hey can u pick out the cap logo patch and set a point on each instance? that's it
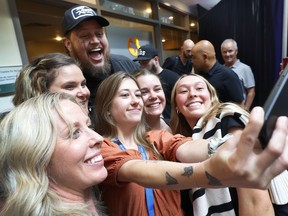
(141, 52)
(81, 11)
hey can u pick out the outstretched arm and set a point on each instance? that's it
(193, 151)
(235, 164)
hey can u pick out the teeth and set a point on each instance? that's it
(154, 105)
(95, 159)
(194, 104)
(95, 50)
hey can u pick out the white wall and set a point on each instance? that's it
(9, 49)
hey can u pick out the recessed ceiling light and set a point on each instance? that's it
(148, 10)
(58, 38)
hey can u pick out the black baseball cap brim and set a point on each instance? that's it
(141, 58)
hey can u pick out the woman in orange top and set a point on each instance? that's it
(127, 146)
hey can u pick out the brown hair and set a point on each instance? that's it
(37, 77)
(104, 123)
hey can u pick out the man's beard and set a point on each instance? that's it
(97, 72)
(187, 56)
(94, 71)
(153, 69)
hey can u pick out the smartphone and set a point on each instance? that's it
(275, 105)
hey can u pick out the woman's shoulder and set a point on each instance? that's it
(234, 111)
(229, 108)
(163, 136)
(159, 132)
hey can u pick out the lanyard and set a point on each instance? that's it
(148, 191)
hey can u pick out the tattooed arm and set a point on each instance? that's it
(164, 174)
(235, 164)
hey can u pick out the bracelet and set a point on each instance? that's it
(215, 142)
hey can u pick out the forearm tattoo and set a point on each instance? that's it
(212, 180)
(170, 180)
(188, 171)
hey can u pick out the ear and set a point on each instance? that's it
(205, 55)
(67, 44)
(157, 59)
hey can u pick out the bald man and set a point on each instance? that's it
(224, 80)
(181, 63)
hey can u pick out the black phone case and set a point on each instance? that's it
(275, 105)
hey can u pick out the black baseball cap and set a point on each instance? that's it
(146, 52)
(75, 15)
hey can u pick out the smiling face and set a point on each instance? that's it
(192, 98)
(152, 94)
(88, 44)
(229, 53)
(127, 104)
(76, 162)
(69, 79)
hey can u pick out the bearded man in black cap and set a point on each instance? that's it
(86, 41)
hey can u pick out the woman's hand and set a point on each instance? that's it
(236, 164)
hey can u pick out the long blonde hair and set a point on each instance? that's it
(27, 141)
(178, 122)
(104, 123)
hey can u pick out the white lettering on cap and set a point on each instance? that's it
(141, 52)
(81, 11)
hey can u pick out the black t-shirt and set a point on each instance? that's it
(168, 79)
(226, 82)
(175, 64)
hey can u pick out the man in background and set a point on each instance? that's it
(229, 51)
(182, 63)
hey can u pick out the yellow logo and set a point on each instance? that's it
(131, 44)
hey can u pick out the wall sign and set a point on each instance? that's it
(8, 77)
(127, 41)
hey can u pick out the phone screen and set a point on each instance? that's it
(275, 105)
